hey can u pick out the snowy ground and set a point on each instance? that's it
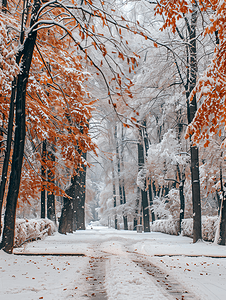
(117, 265)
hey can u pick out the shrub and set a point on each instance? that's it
(29, 230)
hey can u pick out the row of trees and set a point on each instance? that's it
(191, 46)
(144, 57)
(47, 51)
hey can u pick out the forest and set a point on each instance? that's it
(113, 111)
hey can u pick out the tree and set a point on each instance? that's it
(173, 11)
(212, 86)
(44, 83)
(142, 176)
(19, 139)
(9, 70)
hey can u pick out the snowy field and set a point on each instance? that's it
(115, 265)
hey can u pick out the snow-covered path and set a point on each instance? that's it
(116, 265)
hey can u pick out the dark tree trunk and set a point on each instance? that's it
(222, 223)
(114, 195)
(192, 108)
(124, 202)
(144, 196)
(118, 166)
(182, 204)
(145, 209)
(181, 177)
(122, 193)
(19, 140)
(74, 187)
(51, 213)
(73, 212)
(146, 144)
(197, 226)
(151, 201)
(4, 6)
(135, 224)
(43, 173)
(135, 220)
(67, 212)
(80, 193)
(125, 221)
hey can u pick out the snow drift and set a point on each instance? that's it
(28, 230)
(170, 226)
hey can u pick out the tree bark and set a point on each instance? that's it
(43, 173)
(73, 212)
(146, 144)
(144, 196)
(67, 213)
(80, 194)
(151, 201)
(4, 6)
(197, 226)
(125, 223)
(114, 195)
(182, 203)
(122, 193)
(222, 222)
(19, 139)
(51, 211)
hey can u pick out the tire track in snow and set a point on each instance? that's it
(96, 277)
(170, 286)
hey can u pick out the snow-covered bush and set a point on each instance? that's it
(26, 230)
(209, 227)
(168, 206)
(170, 226)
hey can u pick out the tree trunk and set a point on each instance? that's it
(80, 197)
(222, 222)
(197, 226)
(19, 139)
(124, 202)
(181, 177)
(114, 195)
(144, 196)
(4, 6)
(51, 211)
(122, 193)
(135, 220)
(151, 201)
(67, 213)
(182, 204)
(73, 212)
(43, 173)
(146, 144)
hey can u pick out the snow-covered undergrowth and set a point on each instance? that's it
(209, 227)
(168, 226)
(26, 230)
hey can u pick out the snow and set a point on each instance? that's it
(125, 281)
(199, 268)
(32, 229)
(171, 226)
